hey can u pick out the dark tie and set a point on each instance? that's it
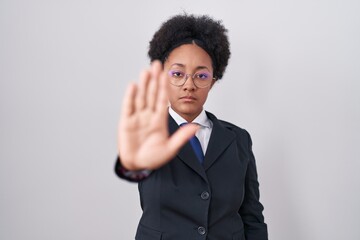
(195, 143)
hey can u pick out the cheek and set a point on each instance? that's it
(172, 93)
(204, 94)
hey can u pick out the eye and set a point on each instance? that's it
(176, 74)
(202, 76)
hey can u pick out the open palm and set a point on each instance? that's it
(143, 137)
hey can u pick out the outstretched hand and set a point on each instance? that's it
(143, 136)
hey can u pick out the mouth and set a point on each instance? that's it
(188, 98)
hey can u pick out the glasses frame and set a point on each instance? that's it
(186, 77)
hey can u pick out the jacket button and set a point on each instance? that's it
(205, 195)
(201, 230)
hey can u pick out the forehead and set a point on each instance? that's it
(189, 56)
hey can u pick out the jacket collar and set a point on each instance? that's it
(220, 139)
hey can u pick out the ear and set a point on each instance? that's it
(212, 83)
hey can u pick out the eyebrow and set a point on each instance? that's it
(182, 65)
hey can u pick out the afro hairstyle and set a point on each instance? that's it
(202, 30)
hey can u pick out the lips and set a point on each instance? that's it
(188, 98)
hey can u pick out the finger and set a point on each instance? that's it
(162, 101)
(175, 142)
(140, 101)
(181, 136)
(128, 106)
(153, 85)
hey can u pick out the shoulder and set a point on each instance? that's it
(239, 131)
(232, 127)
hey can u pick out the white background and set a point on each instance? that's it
(293, 82)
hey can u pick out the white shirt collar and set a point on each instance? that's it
(202, 119)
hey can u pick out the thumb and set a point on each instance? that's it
(181, 136)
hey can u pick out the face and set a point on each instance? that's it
(188, 100)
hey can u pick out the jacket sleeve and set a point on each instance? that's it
(251, 208)
(132, 176)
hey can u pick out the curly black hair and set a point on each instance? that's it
(204, 31)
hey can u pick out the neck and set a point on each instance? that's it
(188, 117)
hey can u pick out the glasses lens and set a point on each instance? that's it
(177, 77)
(202, 79)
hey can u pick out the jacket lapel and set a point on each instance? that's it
(186, 153)
(220, 139)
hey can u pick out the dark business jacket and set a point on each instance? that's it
(184, 200)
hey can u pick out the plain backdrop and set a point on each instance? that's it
(293, 82)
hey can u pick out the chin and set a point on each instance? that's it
(190, 112)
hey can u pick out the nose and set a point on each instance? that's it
(189, 83)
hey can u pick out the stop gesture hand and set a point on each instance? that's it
(143, 137)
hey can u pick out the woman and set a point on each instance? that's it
(184, 193)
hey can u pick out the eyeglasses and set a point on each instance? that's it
(200, 79)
